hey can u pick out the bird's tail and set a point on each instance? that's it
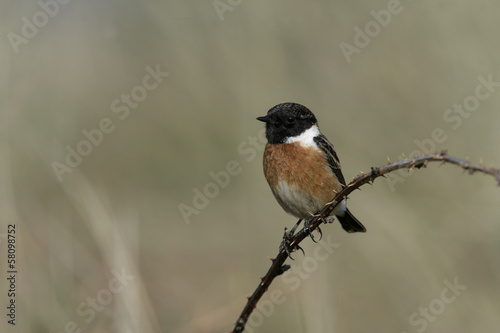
(350, 223)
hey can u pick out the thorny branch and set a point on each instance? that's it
(278, 266)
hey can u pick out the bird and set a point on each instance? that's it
(301, 166)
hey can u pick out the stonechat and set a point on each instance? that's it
(301, 165)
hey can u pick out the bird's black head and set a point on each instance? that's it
(287, 120)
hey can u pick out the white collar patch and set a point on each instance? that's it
(306, 138)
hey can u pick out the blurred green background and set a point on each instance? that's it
(118, 211)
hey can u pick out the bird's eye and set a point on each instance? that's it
(290, 120)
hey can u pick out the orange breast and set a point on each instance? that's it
(300, 177)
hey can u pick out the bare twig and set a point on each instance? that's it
(278, 266)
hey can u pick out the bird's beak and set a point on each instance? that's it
(264, 118)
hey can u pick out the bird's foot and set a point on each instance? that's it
(310, 232)
(287, 243)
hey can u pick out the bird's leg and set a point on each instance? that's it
(292, 232)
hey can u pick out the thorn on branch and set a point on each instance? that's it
(283, 269)
(421, 165)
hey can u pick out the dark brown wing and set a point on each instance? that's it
(331, 156)
(347, 220)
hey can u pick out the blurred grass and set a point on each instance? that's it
(119, 207)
